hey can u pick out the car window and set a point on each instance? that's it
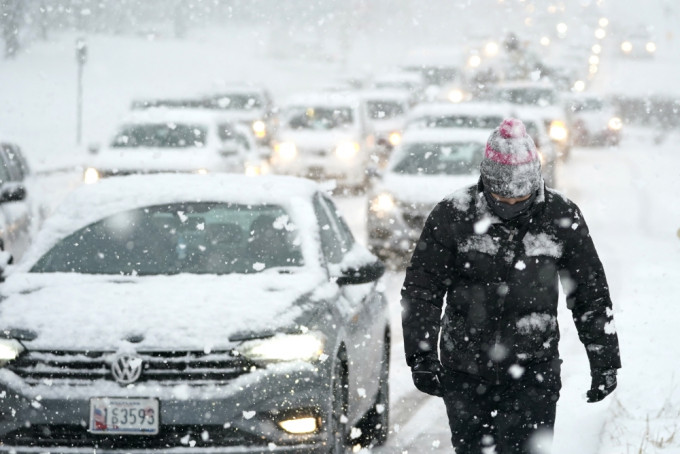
(435, 158)
(237, 101)
(4, 169)
(160, 135)
(197, 238)
(319, 118)
(13, 163)
(343, 228)
(332, 246)
(384, 110)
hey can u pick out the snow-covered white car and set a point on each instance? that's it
(247, 104)
(595, 120)
(486, 116)
(428, 165)
(251, 105)
(538, 99)
(214, 313)
(412, 82)
(387, 112)
(325, 136)
(177, 140)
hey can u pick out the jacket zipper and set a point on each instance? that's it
(499, 324)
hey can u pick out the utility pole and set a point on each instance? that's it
(81, 59)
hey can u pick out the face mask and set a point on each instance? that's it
(506, 211)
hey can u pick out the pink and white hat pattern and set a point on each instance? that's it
(511, 166)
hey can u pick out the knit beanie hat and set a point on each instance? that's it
(511, 167)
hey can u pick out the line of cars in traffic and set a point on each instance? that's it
(201, 308)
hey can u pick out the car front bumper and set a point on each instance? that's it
(239, 417)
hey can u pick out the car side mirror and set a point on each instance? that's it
(93, 148)
(6, 260)
(12, 192)
(363, 274)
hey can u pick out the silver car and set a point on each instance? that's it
(182, 311)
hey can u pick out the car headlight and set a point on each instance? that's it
(456, 95)
(254, 169)
(382, 203)
(285, 347)
(10, 350)
(287, 151)
(91, 175)
(202, 171)
(259, 128)
(394, 138)
(615, 124)
(558, 131)
(650, 47)
(347, 150)
(627, 47)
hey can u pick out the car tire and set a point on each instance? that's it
(375, 425)
(337, 419)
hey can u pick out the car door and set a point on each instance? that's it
(16, 214)
(367, 321)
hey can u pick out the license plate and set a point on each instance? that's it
(114, 415)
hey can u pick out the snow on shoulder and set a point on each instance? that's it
(110, 196)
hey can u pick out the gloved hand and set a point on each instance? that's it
(426, 372)
(603, 383)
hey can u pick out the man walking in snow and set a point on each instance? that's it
(493, 252)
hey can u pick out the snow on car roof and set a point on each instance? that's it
(175, 115)
(385, 95)
(340, 99)
(445, 135)
(90, 203)
(465, 108)
(438, 57)
(524, 84)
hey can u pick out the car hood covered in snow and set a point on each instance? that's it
(162, 159)
(424, 190)
(65, 311)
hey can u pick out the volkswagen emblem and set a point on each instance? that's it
(126, 369)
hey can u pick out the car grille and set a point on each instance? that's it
(169, 436)
(166, 367)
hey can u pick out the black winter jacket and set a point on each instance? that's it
(500, 280)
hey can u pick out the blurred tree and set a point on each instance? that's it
(11, 12)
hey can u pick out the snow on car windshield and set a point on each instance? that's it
(160, 135)
(198, 238)
(440, 158)
(383, 110)
(319, 118)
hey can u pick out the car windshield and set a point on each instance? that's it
(458, 121)
(160, 135)
(456, 158)
(240, 101)
(319, 118)
(198, 238)
(585, 105)
(528, 96)
(384, 110)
